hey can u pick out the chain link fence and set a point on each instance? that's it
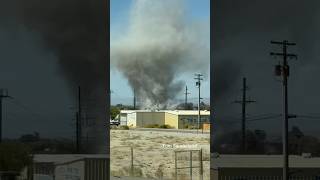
(184, 164)
(122, 161)
(188, 165)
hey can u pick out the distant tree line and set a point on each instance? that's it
(15, 154)
(258, 143)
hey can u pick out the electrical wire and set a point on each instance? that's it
(35, 116)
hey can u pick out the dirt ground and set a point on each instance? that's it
(154, 153)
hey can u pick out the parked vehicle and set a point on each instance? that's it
(114, 122)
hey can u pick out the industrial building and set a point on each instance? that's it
(263, 167)
(178, 119)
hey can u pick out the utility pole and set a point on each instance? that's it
(3, 94)
(244, 103)
(79, 121)
(198, 84)
(186, 98)
(77, 133)
(283, 70)
(134, 99)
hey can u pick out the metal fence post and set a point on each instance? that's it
(132, 168)
(201, 164)
(175, 162)
(191, 165)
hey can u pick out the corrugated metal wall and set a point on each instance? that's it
(96, 169)
(43, 168)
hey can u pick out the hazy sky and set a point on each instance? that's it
(199, 10)
(242, 34)
(48, 49)
(33, 78)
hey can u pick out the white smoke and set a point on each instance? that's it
(160, 44)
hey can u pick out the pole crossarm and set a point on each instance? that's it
(282, 54)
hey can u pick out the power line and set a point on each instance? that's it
(298, 117)
(256, 119)
(308, 117)
(26, 109)
(264, 118)
(262, 115)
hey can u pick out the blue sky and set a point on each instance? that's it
(120, 9)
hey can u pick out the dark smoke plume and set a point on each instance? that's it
(242, 33)
(75, 32)
(160, 44)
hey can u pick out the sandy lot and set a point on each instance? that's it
(154, 153)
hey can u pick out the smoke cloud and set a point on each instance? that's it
(242, 34)
(161, 43)
(74, 31)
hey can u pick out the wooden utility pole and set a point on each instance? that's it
(186, 98)
(79, 122)
(198, 84)
(244, 103)
(3, 94)
(134, 99)
(283, 70)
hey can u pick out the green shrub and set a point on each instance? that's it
(14, 156)
(152, 126)
(114, 127)
(165, 126)
(124, 127)
(189, 126)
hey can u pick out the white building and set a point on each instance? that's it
(178, 119)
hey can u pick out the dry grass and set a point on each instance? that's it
(150, 156)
